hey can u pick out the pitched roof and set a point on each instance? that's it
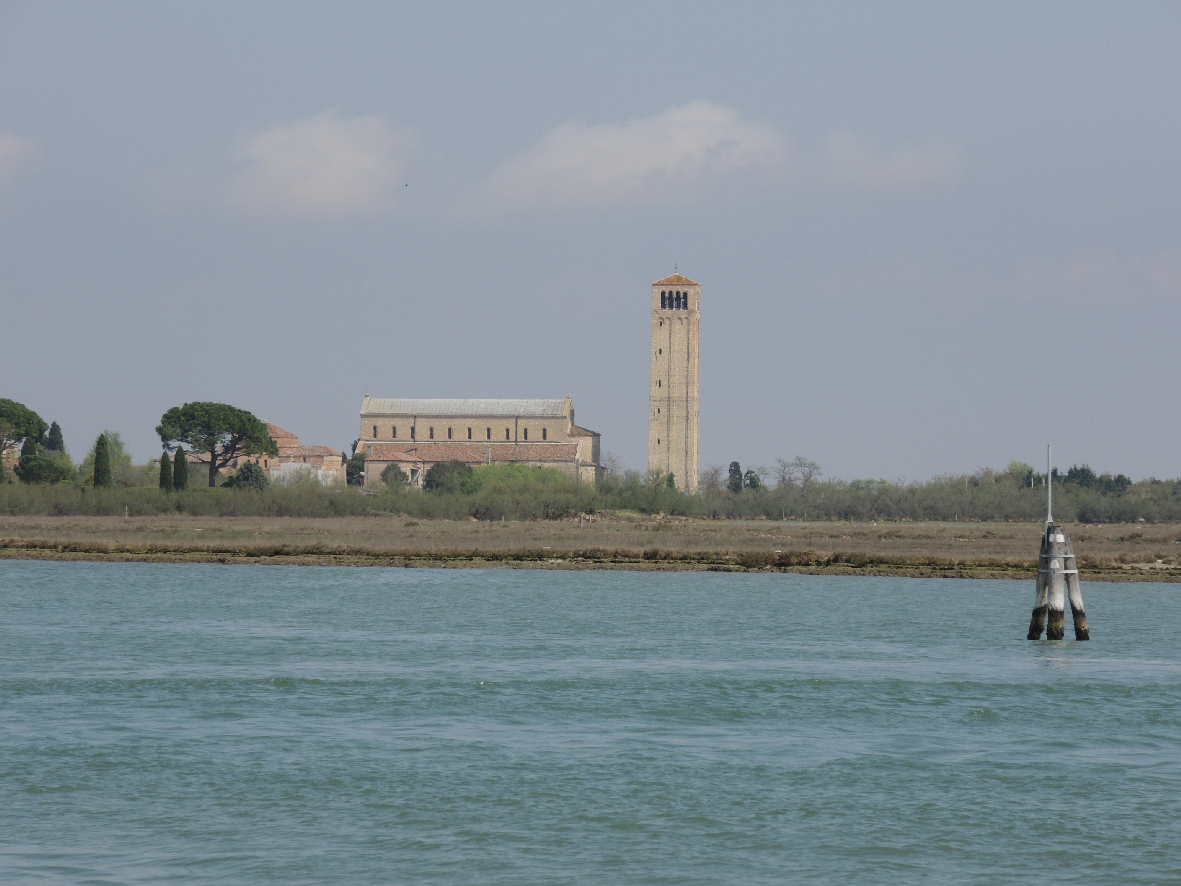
(313, 450)
(275, 433)
(676, 280)
(576, 431)
(491, 408)
(472, 453)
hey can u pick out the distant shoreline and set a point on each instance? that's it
(990, 551)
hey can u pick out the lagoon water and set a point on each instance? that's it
(167, 723)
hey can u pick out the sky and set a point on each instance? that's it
(929, 237)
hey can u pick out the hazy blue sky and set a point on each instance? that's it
(930, 237)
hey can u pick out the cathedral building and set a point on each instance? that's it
(416, 434)
(673, 381)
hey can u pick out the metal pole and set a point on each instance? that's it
(1049, 489)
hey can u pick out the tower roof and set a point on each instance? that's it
(676, 280)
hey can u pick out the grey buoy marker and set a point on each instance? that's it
(1057, 572)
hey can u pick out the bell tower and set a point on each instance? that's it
(673, 381)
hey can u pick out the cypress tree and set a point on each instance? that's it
(55, 443)
(166, 472)
(102, 463)
(180, 470)
(30, 447)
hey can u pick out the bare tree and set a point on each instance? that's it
(785, 473)
(710, 480)
(610, 464)
(807, 471)
(762, 473)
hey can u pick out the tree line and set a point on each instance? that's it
(792, 489)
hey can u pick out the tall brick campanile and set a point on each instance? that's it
(673, 384)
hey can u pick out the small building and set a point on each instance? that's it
(323, 462)
(416, 434)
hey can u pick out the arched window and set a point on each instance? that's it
(506, 434)
(449, 433)
(658, 383)
(657, 441)
(431, 431)
(663, 301)
(394, 432)
(526, 433)
(375, 432)
(543, 434)
(413, 433)
(490, 433)
(469, 433)
(661, 322)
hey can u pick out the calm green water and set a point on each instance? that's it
(301, 725)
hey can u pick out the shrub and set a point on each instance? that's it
(41, 469)
(394, 477)
(249, 476)
(447, 476)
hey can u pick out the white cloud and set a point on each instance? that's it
(854, 165)
(14, 152)
(642, 160)
(324, 166)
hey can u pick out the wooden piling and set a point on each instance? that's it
(1037, 623)
(1056, 596)
(1076, 595)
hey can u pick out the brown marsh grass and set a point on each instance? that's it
(1140, 551)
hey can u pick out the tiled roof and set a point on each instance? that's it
(277, 434)
(499, 408)
(472, 453)
(576, 431)
(676, 280)
(314, 450)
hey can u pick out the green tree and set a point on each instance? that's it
(18, 423)
(734, 483)
(180, 470)
(250, 476)
(751, 480)
(224, 432)
(54, 442)
(166, 472)
(122, 470)
(354, 469)
(394, 477)
(42, 469)
(102, 463)
(447, 476)
(670, 482)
